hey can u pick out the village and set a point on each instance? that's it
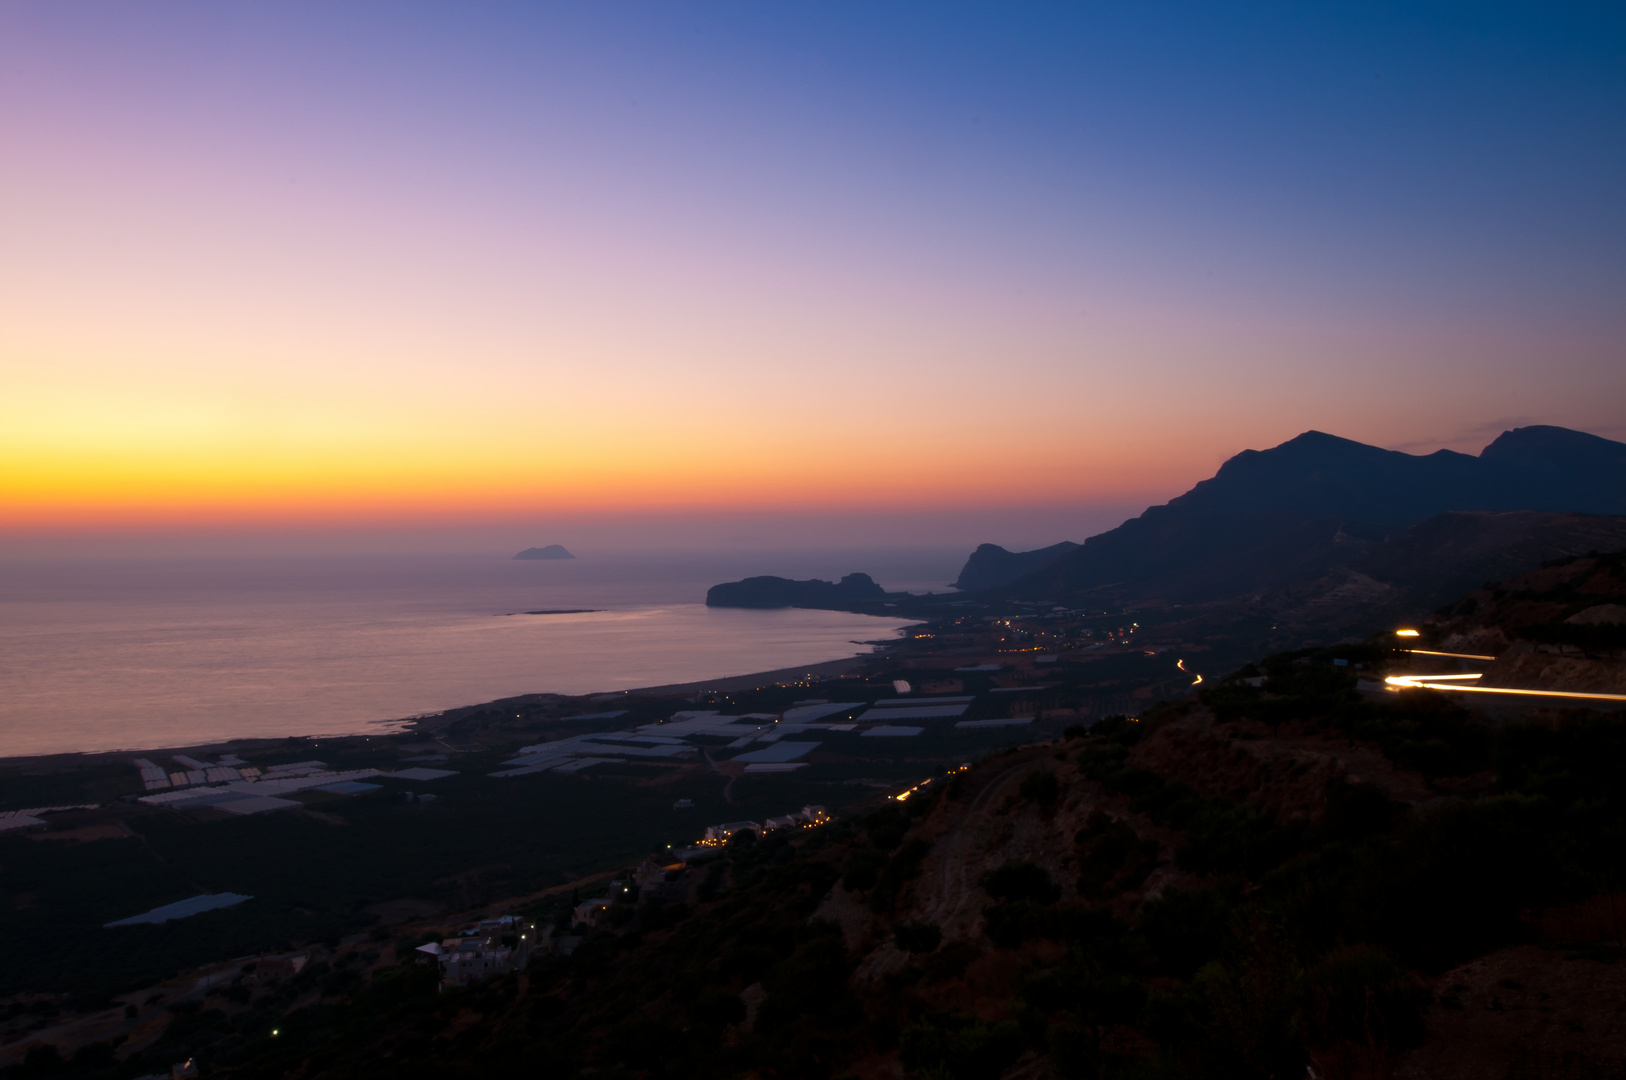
(498, 946)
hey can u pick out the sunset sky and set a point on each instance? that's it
(314, 264)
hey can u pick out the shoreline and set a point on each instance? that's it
(419, 726)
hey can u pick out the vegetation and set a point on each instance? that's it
(1295, 943)
(1191, 931)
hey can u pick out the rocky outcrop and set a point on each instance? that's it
(1554, 628)
(991, 566)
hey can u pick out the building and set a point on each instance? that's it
(493, 947)
(271, 968)
(717, 835)
(653, 872)
(551, 944)
(589, 912)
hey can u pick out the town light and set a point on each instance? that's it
(1407, 633)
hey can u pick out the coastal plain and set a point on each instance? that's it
(335, 865)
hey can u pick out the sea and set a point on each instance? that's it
(101, 655)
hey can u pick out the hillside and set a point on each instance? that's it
(1562, 626)
(1281, 869)
(1314, 540)
(1286, 516)
(1399, 579)
(1258, 881)
(991, 566)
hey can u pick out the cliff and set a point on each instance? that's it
(991, 566)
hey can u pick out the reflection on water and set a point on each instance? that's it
(97, 656)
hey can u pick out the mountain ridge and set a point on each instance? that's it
(1270, 517)
(1320, 537)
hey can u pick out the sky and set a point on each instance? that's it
(899, 270)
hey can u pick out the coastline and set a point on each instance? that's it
(423, 726)
(130, 658)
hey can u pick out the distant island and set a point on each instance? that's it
(552, 551)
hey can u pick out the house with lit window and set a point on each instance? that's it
(491, 948)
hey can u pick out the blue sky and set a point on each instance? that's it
(268, 233)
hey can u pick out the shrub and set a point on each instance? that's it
(1187, 928)
(864, 867)
(1111, 857)
(1021, 881)
(917, 937)
(1361, 994)
(1043, 788)
(944, 1046)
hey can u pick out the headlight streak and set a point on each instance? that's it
(1437, 682)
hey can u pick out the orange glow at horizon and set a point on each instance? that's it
(193, 446)
(234, 491)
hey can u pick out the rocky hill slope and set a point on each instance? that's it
(1279, 877)
(1560, 627)
(991, 566)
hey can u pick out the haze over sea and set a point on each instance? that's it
(128, 654)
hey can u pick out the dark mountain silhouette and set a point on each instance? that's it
(1287, 516)
(1554, 468)
(1323, 476)
(991, 565)
(855, 591)
(1313, 540)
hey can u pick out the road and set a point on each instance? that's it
(960, 856)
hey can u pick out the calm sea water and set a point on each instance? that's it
(125, 655)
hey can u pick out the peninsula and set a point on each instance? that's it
(1307, 543)
(855, 592)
